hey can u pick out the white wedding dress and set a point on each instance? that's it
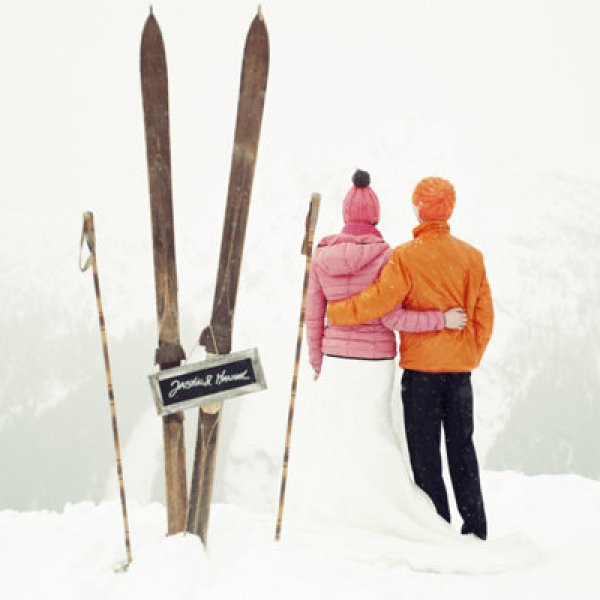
(349, 482)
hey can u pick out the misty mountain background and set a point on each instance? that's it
(403, 90)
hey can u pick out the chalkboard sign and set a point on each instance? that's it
(211, 380)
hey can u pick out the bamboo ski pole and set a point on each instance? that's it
(88, 236)
(311, 223)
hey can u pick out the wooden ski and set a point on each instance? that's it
(216, 338)
(153, 67)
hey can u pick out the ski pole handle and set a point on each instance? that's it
(311, 224)
(88, 238)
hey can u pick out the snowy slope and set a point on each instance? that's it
(70, 555)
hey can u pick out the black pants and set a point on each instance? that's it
(433, 400)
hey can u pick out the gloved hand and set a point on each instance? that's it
(455, 318)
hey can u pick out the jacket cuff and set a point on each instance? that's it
(317, 364)
(440, 322)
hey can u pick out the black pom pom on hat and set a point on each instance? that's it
(361, 179)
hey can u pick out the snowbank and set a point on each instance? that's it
(71, 555)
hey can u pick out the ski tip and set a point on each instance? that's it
(151, 24)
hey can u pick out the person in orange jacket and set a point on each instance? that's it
(435, 271)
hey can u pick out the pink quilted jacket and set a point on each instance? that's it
(344, 264)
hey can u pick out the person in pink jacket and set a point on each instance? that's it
(344, 264)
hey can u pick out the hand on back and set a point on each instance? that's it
(455, 318)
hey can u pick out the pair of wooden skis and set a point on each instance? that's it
(216, 337)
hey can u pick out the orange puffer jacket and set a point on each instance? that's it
(433, 271)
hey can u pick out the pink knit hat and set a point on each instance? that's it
(361, 204)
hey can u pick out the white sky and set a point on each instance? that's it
(516, 78)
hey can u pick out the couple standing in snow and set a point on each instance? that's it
(433, 290)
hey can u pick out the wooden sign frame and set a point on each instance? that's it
(208, 381)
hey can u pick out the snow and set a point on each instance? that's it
(495, 96)
(72, 554)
